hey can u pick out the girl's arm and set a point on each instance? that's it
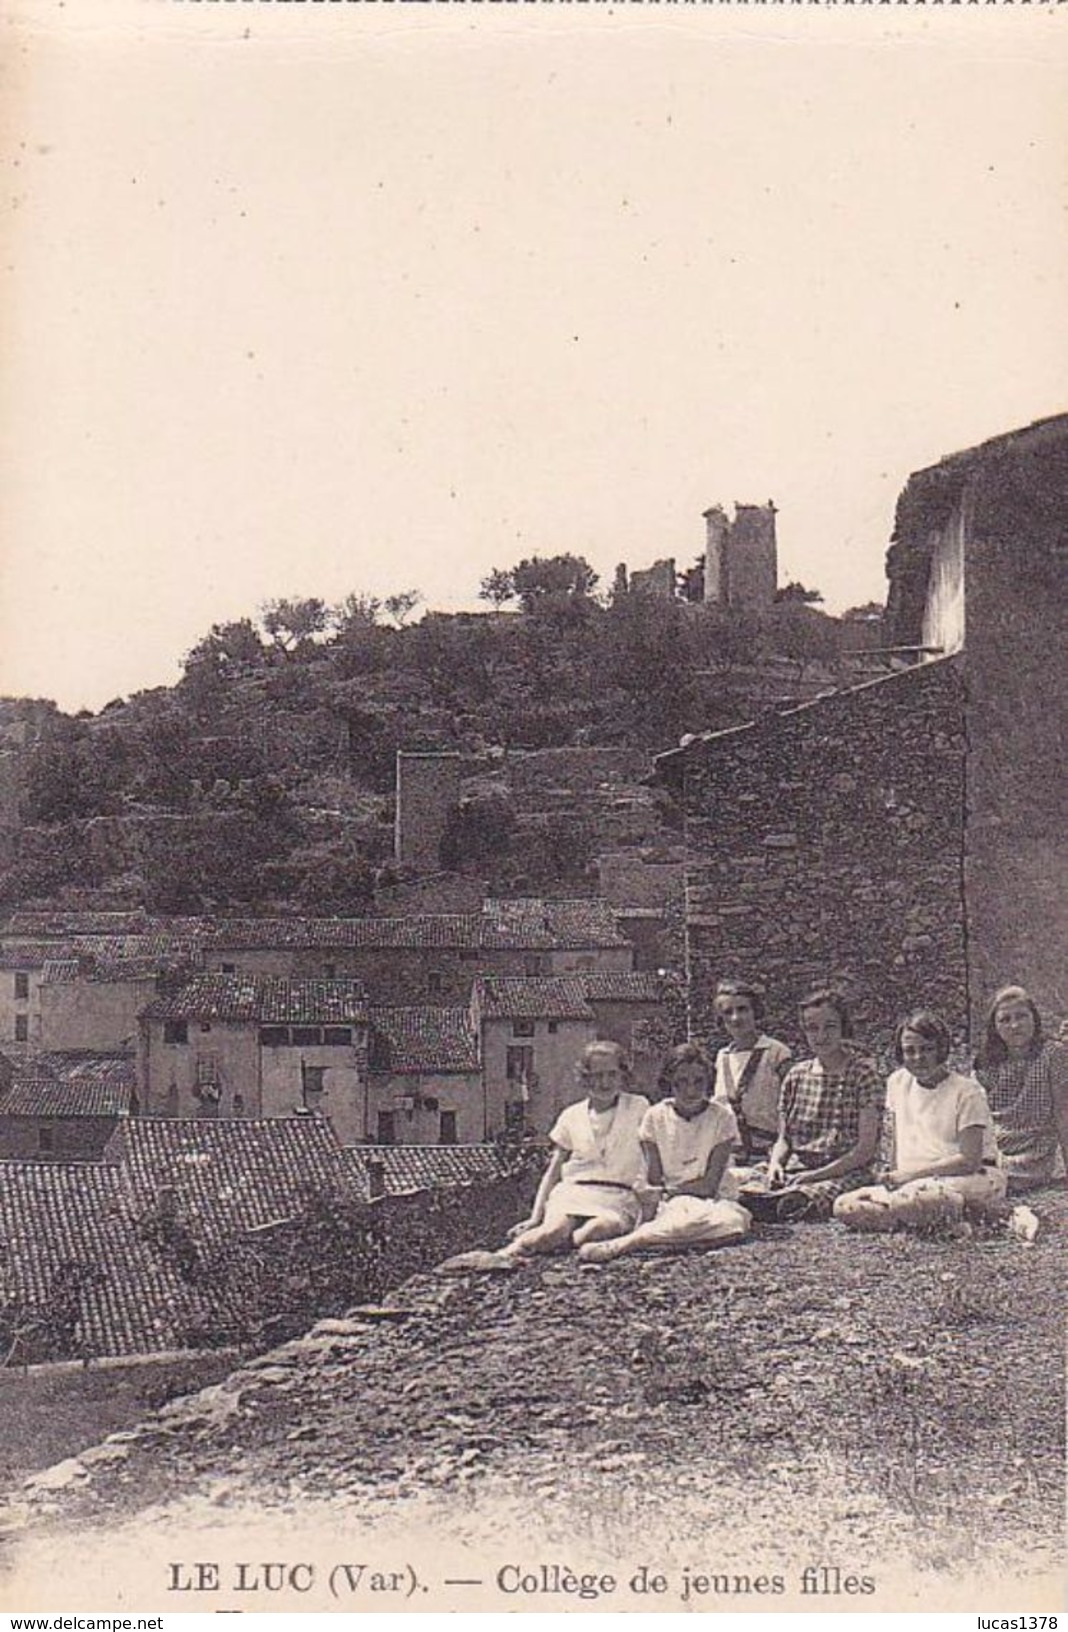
(862, 1154)
(707, 1186)
(550, 1179)
(968, 1160)
(654, 1167)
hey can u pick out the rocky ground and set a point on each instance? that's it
(886, 1410)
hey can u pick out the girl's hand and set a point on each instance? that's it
(776, 1176)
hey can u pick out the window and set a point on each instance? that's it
(387, 1128)
(554, 1027)
(329, 971)
(522, 1028)
(305, 1036)
(337, 1035)
(239, 1105)
(532, 966)
(435, 983)
(22, 985)
(519, 1064)
(447, 1128)
(172, 1100)
(22, 1028)
(205, 1025)
(228, 968)
(274, 1036)
(46, 1140)
(514, 1117)
(207, 1068)
(175, 1031)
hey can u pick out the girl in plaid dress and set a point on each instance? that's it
(1026, 1080)
(830, 1112)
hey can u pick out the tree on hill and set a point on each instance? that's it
(292, 623)
(541, 582)
(497, 587)
(401, 606)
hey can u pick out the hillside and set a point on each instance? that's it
(888, 1409)
(264, 778)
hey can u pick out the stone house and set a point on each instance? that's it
(84, 991)
(907, 837)
(65, 1107)
(234, 1046)
(532, 1033)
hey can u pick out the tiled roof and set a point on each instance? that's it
(33, 955)
(227, 1175)
(60, 972)
(64, 925)
(59, 1220)
(635, 986)
(268, 999)
(571, 925)
(421, 1039)
(422, 1167)
(104, 957)
(538, 997)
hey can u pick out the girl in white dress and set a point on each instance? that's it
(941, 1136)
(687, 1140)
(588, 1192)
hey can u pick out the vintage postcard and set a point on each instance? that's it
(534, 539)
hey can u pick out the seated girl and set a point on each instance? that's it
(1026, 1080)
(830, 1111)
(687, 1140)
(588, 1190)
(750, 1068)
(941, 1136)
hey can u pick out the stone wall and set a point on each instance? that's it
(1017, 672)
(827, 842)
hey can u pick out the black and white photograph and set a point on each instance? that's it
(533, 806)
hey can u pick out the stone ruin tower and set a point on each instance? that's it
(741, 556)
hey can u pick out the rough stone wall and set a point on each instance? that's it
(658, 580)
(1017, 673)
(827, 843)
(95, 1014)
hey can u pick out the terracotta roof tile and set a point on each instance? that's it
(538, 997)
(634, 986)
(61, 1218)
(227, 1175)
(420, 1039)
(423, 1167)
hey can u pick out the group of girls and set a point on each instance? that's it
(753, 1134)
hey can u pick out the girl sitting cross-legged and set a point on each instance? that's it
(687, 1140)
(830, 1111)
(941, 1135)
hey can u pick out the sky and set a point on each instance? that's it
(313, 300)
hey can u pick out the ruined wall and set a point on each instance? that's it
(828, 842)
(428, 791)
(1017, 675)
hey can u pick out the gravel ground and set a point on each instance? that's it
(890, 1409)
